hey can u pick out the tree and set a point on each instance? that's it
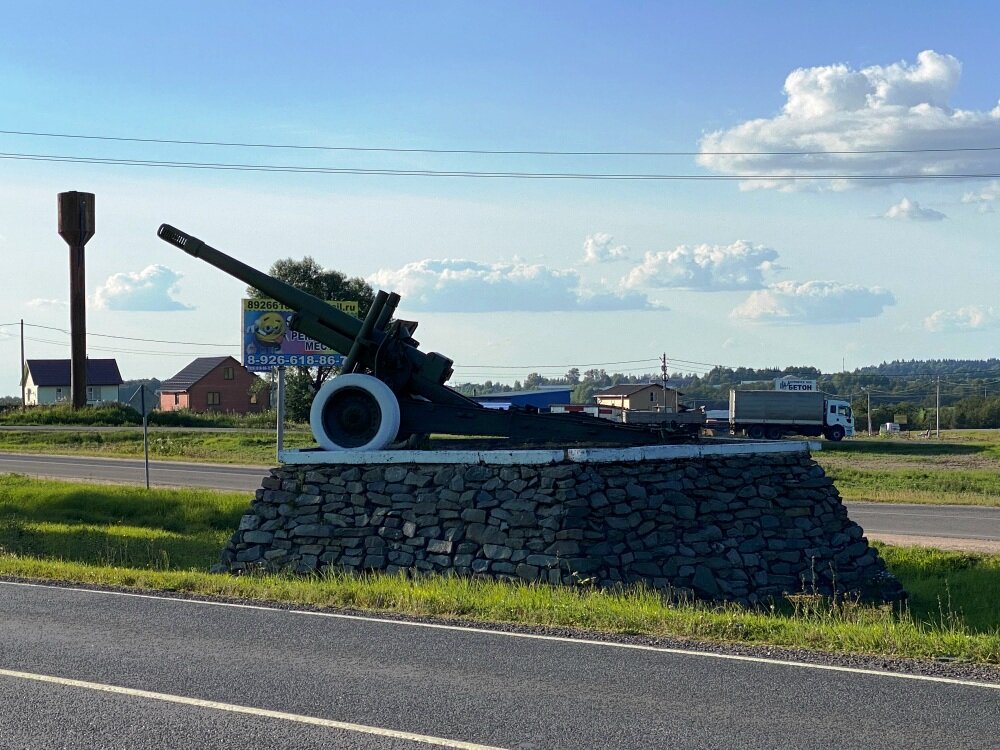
(302, 383)
(583, 393)
(534, 380)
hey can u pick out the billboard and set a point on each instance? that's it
(269, 342)
(794, 384)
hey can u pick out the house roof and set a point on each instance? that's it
(502, 395)
(191, 374)
(627, 389)
(56, 372)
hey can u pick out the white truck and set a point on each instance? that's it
(774, 414)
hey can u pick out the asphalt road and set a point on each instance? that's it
(958, 522)
(961, 527)
(88, 669)
(127, 470)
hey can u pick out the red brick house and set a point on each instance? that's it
(215, 384)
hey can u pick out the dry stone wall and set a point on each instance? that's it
(746, 528)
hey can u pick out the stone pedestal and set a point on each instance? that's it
(744, 522)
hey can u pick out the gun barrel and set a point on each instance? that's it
(340, 324)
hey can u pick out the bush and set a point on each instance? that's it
(186, 418)
(102, 415)
(114, 415)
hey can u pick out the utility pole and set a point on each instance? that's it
(24, 375)
(280, 409)
(868, 391)
(938, 409)
(663, 372)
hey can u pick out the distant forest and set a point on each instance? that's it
(898, 391)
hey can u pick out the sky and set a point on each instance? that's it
(833, 196)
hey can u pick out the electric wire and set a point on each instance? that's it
(491, 152)
(115, 350)
(385, 172)
(132, 338)
(588, 364)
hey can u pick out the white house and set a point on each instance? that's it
(47, 381)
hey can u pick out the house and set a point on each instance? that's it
(215, 384)
(639, 397)
(47, 381)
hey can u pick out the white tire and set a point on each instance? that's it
(354, 412)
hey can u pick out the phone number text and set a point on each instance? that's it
(285, 360)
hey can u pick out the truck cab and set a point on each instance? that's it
(838, 420)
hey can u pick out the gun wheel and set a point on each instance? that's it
(354, 412)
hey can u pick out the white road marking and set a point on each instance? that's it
(528, 636)
(237, 709)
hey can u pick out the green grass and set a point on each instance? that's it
(938, 486)
(974, 444)
(167, 539)
(116, 525)
(943, 584)
(955, 471)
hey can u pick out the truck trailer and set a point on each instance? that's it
(774, 414)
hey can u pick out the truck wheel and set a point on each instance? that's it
(773, 433)
(756, 432)
(835, 433)
(354, 412)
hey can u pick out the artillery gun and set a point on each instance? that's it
(390, 391)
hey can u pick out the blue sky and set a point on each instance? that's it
(508, 276)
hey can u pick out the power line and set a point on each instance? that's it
(127, 338)
(527, 367)
(491, 152)
(116, 350)
(288, 169)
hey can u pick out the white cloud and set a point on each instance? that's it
(879, 108)
(970, 318)
(985, 198)
(907, 210)
(598, 248)
(813, 302)
(708, 268)
(147, 290)
(47, 304)
(470, 286)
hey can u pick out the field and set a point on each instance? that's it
(167, 539)
(962, 469)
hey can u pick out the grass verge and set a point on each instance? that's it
(935, 486)
(910, 471)
(166, 539)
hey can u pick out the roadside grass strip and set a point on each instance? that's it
(165, 539)
(811, 622)
(917, 488)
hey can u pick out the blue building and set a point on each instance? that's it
(540, 398)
